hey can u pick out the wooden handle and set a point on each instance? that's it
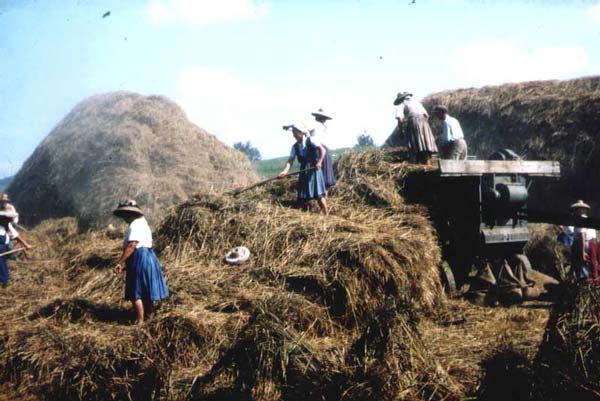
(258, 184)
(14, 251)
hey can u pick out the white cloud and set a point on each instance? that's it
(594, 12)
(237, 109)
(501, 61)
(201, 12)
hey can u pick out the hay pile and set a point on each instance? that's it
(327, 308)
(120, 145)
(542, 120)
(568, 365)
(544, 251)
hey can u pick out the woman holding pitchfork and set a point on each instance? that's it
(310, 153)
(7, 235)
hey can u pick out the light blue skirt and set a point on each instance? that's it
(144, 279)
(311, 185)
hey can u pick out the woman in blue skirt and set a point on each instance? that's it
(144, 282)
(7, 235)
(319, 132)
(310, 154)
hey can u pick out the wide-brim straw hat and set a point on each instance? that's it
(127, 207)
(237, 255)
(299, 126)
(441, 108)
(321, 113)
(400, 97)
(580, 205)
(4, 198)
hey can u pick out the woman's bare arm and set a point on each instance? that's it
(287, 167)
(129, 249)
(322, 152)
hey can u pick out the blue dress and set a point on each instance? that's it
(328, 175)
(144, 279)
(311, 184)
(4, 275)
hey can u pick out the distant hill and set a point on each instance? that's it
(5, 182)
(124, 145)
(271, 167)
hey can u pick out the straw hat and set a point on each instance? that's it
(441, 108)
(4, 198)
(127, 207)
(237, 255)
(321, 113)
(579, 205)
(400, 97)
(299, 126)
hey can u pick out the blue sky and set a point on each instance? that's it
(242, 68)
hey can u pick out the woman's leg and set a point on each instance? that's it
(138, 305)
(323, 205)
(148, 307)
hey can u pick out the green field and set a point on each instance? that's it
(271, 167)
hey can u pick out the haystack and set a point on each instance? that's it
(120, 145)
(541, 120)
(568, 365)
(326, 308)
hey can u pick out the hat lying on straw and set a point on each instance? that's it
(580, 205)
(237, 255)
(400, 97)
(127, 207)
(321, 113)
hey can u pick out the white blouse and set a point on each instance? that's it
(139, 231)
(10, 235)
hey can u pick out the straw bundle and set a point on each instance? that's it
(568, 365)
(544, 251)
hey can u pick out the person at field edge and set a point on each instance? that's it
(584, 251)
(319, 131)
(6, 206)
(7, 235)
(144, 281)
(310, 154)
(420, 139)
(452, 138)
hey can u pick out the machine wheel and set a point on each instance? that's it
(447, 279)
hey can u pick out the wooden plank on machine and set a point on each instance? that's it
(479, 167)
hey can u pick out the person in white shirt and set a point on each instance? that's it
(420, 139)
(584, 251)
(7, 235)
(7, 207)
(319, 131)
(144, 282)
(452, 139)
